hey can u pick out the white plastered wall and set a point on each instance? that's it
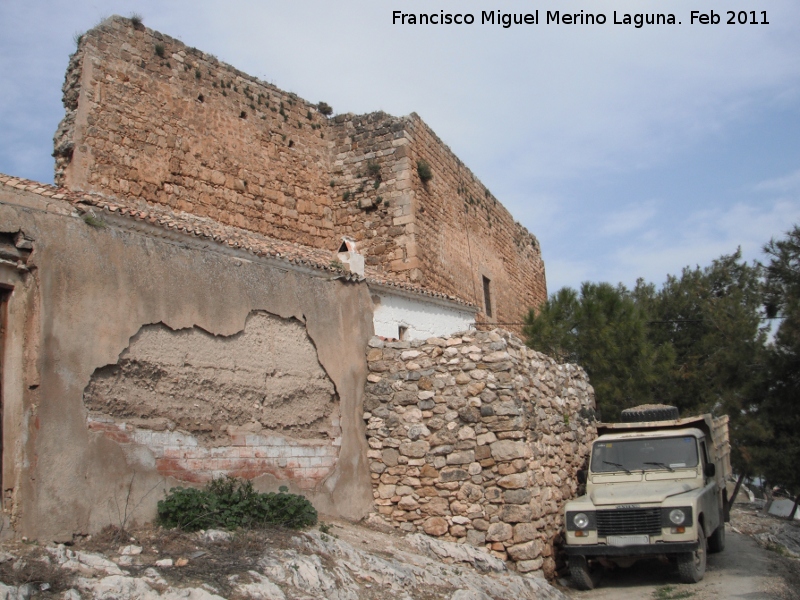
(421, 318)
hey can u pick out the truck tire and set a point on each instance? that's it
(649, 412)
(716, 543)
(580, 574)
(692, 565)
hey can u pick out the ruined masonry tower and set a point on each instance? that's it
(150, 118)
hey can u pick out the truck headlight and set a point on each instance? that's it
(677, 516)
(581, 520)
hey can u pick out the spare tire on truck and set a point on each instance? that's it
(649, 412)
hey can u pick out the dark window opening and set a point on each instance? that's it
(401, 332)
(487, 296)
(4, 296)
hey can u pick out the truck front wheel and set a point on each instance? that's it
(716, 543)
(692, 565)
(580, 574)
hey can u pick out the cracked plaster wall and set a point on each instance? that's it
(90, 292)
(265, 376)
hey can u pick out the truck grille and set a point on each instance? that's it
(629, 521)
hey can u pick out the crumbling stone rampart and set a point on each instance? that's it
(449, 232)
(148, 117)
(477, 439)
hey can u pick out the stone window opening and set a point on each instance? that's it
(402, 330)
(5, 294)
(487, 295)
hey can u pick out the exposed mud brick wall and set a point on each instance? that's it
(266, 375)
(151, 118)
(477, 439)
(463, 234)
(206, 406)
(246, 454)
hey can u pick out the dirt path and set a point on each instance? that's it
(743, 570)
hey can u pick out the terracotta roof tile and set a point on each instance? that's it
(234, 237)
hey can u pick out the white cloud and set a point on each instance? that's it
(789, 183)
(561, 272)
(629, 219)
(707, 234)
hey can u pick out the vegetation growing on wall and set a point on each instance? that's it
(424, 171)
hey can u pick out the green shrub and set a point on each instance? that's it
(160, 50)
(90, 219)
(424, 171)
(230, 503)
(325, 109)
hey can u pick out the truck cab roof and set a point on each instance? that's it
(660, 433)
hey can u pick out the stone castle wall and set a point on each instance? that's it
(477, 439)
(371, 176)
(464, 234)
(148, 117)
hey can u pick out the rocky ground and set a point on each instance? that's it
(337, 561)
(345, 561)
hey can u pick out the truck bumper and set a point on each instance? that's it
(642, 550)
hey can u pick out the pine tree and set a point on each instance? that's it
(779, 454)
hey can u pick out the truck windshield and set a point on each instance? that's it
(645, 454)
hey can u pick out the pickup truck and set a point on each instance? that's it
(655, 487)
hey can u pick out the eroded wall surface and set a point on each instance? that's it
(142, 359)
(148, 117)
(208, 406)
(446, 233)
(268, 373)
(477, 438)
(464, 234)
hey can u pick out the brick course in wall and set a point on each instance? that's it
(477, 439)
(181, 456)
(150, 118)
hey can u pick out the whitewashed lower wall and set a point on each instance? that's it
(422, 319)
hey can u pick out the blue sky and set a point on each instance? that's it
(628, 152)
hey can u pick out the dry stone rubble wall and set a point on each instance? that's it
(477, 439)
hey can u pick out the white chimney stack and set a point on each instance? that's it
(349, 257)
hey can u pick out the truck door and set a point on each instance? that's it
(711, 494)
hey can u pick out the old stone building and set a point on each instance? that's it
(224, 281)
(149, 118)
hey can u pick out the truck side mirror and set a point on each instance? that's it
(710, 470)
(582, 476)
